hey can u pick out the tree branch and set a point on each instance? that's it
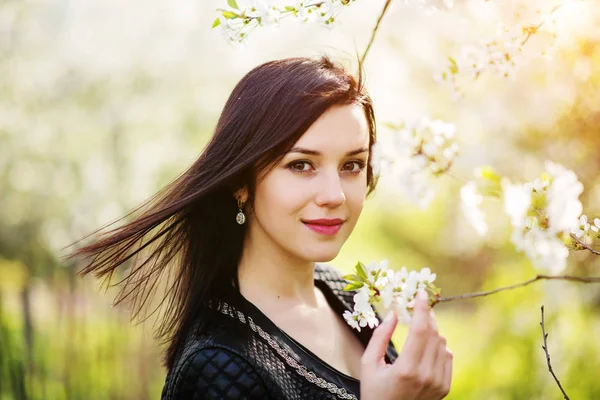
(545, 347)
(383, 11)
(585, 246)
(580, 279)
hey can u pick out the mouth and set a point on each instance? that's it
(327, 227)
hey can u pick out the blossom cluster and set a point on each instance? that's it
(544, 213)
(500, 55)
(414, 153)
(587, 232)
(378, 285)
(237, 21)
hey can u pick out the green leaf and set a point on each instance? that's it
(216, 23)
(232, 4)
(353, 286)
(361, 270)
(352, 277)
(229, 14)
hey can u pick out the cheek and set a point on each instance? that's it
(356, 193)
(280, 195)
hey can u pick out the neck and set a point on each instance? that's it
(267, 273)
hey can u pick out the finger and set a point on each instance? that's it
(429, 369)
(378, 343)
(440, 364)
(432, 321)
(448, 371)
(418, 333)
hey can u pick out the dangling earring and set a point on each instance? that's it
(240, 217)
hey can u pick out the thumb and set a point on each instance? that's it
(379, 341)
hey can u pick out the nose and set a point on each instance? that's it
(330, 192)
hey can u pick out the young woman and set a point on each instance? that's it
(237, 241)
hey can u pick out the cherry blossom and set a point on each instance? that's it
(412, 154)
(394, 290)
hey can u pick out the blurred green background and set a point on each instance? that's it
(103, 102)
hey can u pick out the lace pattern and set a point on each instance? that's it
(310, 376)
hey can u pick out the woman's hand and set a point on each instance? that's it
(422, 371)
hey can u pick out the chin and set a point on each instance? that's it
(323, 255)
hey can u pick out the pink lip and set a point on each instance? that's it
(323, 226)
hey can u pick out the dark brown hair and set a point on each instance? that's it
(185, 238)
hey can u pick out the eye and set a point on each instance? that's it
(354, 167)
(301, 166)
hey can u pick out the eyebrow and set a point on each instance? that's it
(302, 150)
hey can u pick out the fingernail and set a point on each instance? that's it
(422, 296)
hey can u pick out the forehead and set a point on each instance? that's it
(340, 128)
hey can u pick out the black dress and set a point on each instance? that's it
(244, 355)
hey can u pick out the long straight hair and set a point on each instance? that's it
(185, 237)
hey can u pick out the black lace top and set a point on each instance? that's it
(246, 356)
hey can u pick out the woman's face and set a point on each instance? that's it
(308, 204)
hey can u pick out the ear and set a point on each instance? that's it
(241, 194)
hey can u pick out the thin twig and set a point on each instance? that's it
(534, 29)
(585, 246)
(385, 7)
(580, 279)
(545, 347)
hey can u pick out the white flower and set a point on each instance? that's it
(470, 207)
(377, 272)
(271, 17)
(396, 289)
(409, 291)
(583, 227)
(596, 226)
(404, 284)
(545, 250)
(361, 299)
(426, 277)
(404, 305)
(563, 193)
(402, 309)
(558, 212)
(253, 13)
(416, 153)
(396, 281)
(363, 313)
(304, 12)
(352, 319)
(254, 8)
(517, 199)
(235, 30)
(369, 319)
(538, 185)
(388, 292)
(402, 275)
